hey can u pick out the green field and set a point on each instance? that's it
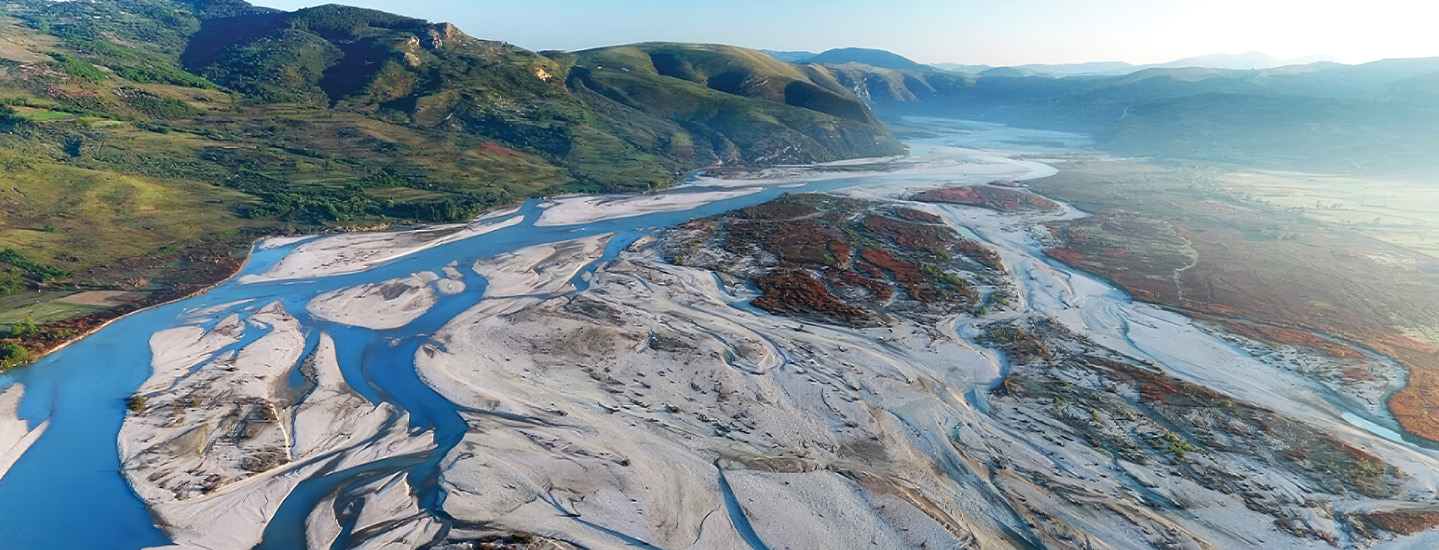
(80, 219)
(41, 115)
(40, 307)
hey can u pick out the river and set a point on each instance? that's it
(66, 490)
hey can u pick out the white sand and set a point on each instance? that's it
(358, 252)
(178, 349)
(211, 490)
(448, 287)
(16, 435)
(539, 269)
(322, 526)
(584, 209)
(277, 242)
(379, 306)
(635, 467)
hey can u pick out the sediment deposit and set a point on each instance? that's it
(844, 370)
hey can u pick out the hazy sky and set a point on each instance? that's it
(994, 32)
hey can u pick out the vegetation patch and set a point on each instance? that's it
(1174, 421)
(1399, 522)
(1003, 199)
(1019, 345)
(836, 258)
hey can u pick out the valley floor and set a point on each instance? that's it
(871, 367)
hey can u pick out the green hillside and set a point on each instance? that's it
(868, 56)
(134, 131)
(722, 104)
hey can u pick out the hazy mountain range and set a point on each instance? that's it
(1321, 115)
(1243, 61)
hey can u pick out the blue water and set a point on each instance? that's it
(67, 492)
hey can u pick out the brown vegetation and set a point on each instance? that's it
(997, 198)
(838, 259)
(905, 273)
(1399, 522)
(917, 215)
(1142, 255)
(794, 292)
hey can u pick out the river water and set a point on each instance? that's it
(67, 492)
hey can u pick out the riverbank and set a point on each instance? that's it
(204, 267)
(202, 270)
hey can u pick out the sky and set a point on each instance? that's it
(993, 32)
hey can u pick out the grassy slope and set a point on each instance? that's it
(747, 107)
(137, 136)
(78, 218)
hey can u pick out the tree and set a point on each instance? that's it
(25, 328)
(12, 355)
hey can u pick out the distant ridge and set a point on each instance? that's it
(962, 68)
(1321, 115)
(867, 56)
(1241, 61)
(790, 56)
(885, 59)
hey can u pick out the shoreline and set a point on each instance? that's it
(92, 330)
(255, 243)
(688, 179)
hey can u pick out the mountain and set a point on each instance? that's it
(1308, 59)
(789, 56)
(731, 105)
(962, 68)
(867, 56)
(195, 120)
(582, 111)
(1071, 69)
(1010, 72)
(1250, 60)
(1320, 116)
(1244, 61)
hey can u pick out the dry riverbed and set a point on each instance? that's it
(881, 367)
